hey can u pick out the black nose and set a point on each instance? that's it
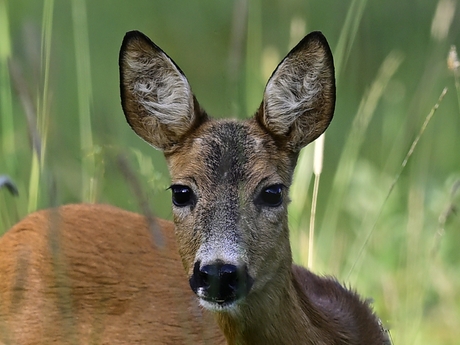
(220, 283)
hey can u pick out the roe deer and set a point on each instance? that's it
(90, 273)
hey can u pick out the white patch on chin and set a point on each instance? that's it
(220, 308)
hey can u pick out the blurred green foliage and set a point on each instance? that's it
(403, 250)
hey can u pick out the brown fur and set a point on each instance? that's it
(91, 274)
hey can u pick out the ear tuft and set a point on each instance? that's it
(156, 97)
(299, 98)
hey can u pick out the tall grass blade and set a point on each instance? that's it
(36, 141)
(454, 65)
(34, 137)
(42, 120)
(46, 43)
(254, 82)
(348, 35)
(8, 162)
(84, 87)
(317, 170)
(6, 107)
(236, 55)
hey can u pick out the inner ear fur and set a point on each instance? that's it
(156, 97)
(299, 97)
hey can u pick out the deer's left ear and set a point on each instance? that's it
(299, 98)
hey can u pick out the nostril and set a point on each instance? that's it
(220, 282)
(204, 277)
(207, 275)
(229, 276)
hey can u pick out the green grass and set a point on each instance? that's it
(387, 225)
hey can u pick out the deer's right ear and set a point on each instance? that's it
(155, 95)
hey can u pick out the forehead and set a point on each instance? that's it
(228, 152)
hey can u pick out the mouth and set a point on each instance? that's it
(220, 306)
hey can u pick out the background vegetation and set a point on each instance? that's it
(391, 230)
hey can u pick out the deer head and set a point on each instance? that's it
(230, 179)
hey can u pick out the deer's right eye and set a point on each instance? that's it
(182, 195)
(271, 196)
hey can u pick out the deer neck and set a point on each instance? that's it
(278, 314)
